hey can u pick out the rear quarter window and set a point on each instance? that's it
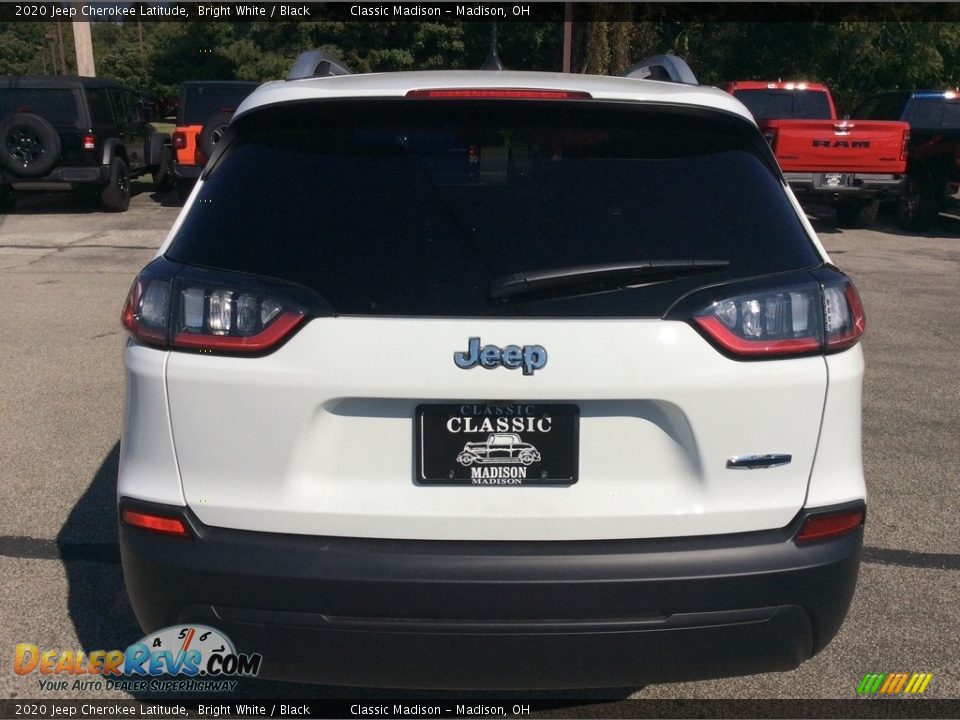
(100, 112)
(414, 207)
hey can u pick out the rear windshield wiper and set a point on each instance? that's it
(568, 281)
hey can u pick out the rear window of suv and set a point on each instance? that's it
(933, 113)
(57, 106)
(414, 207)
(785, 104)
(200, 102)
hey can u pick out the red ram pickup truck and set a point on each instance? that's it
(852, 164)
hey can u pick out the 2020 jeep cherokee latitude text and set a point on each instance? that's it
(299, 400)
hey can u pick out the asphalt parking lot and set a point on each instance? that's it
(65, 268)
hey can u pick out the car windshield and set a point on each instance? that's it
(418, 207)
(785, 104)
(200, 102)
(59, 106)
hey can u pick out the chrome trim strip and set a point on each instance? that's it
(756, 462)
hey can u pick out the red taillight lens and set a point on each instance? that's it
(822, 527)
(498, 94)
(784, 321)
(210, 312)
(904, 148)
(179, 140)
(89, 142)
(799, 319)
(222, 328)
(734, 343)
(147, 310)
(155, 523)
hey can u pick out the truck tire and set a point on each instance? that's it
(213, 132)
(161, 171)
(115, 197)
(857, 213)
(29, 145)
(919, 204)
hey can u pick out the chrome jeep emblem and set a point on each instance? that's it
(529, 357)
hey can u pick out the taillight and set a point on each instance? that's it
(89, 142)
(178, 308)
(179, 140)
(764, 320)
(498, 94)
(904, 147)
(155, 523)
(843, 315)
(823, 527)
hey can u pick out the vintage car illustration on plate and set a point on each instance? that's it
(499, 448)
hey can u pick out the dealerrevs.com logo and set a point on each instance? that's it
(886, 684)
(185, 658)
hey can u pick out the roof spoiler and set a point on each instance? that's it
(317, 63)
(667, 68)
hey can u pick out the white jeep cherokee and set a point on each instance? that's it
(376, 271)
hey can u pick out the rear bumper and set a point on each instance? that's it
(79, 175)
(185, 172)
(497, 615)
(849, 184)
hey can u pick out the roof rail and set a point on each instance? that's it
(667, 68)
(317, 63)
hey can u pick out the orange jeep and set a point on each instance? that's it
(204, 108)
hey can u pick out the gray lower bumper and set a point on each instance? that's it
(846, 183)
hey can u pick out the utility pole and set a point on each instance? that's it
(84, 44)
(63, 54)
(52, 46)
(567, 36)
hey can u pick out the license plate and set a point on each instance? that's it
(508, 444)
(834, 180)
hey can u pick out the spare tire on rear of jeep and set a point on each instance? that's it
(213, 132)
(29, 145)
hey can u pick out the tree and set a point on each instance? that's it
(24, 48)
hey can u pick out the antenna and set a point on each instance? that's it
(493, 61)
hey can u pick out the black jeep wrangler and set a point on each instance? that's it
(88, 133)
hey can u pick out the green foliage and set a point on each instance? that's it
(32, 48)
(854, 58)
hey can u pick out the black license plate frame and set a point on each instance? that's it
(506, 444)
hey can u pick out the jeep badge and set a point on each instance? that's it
(529, 357)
